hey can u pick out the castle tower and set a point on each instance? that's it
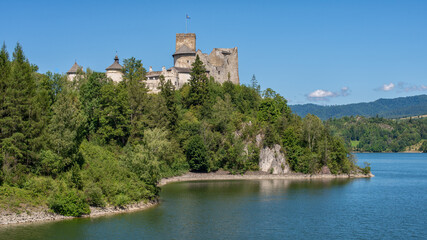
(185, 50)
(72, 73)
(115, 71)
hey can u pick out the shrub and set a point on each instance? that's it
(121, 200)
(197, 154)
(423, 147)
(367, 169)
(94, 196)
(69, 203)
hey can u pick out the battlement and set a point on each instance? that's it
(188, 39)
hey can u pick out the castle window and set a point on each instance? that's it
(219, 72)
(188, 61)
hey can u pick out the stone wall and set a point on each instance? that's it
(184, 61)
(222, 64)
(188, 39)
(115, 75)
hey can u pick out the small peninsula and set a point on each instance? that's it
(90, 143)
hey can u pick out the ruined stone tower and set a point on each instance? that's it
(185, 50)
(221, 63)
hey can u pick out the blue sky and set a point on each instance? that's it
(324, 52)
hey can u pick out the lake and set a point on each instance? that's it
(392, 205)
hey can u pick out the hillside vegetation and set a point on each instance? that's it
(94, 142)
(387, 108)
(380, 134)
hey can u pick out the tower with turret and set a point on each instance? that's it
(115, 70)
(72, 73)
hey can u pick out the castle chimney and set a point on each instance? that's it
(163, 69)
(151, 69)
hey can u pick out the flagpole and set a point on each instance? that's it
(186, 19)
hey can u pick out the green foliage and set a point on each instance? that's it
(134, 76)
(197, 154)
(113, 175)
(114, 113)
(379, 134)
(387, 108)
(94, 196)
(272, 106)
(76, 177)
(423, 147)
(21, 116)
(198, 84)
(51, 163)
(69, 203)
(15, 199)
(167, 91)
(64, 133)
(367, 168)
(95, 142)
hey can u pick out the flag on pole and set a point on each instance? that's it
(187, 17)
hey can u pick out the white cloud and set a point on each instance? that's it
(403, 87)
(345, 91)
(325, 95)
(319, 93)
(387, 87)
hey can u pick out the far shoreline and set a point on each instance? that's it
(44, 216)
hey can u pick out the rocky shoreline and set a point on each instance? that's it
(42, 215)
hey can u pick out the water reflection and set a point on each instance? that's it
(236, 187)
(191, 209)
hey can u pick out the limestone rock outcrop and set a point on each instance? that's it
(273, 160)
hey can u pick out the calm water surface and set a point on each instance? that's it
(391, 205)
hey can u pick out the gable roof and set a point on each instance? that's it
(115, 65)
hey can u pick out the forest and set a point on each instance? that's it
(379, 134)
(387, 108)
(68, 145)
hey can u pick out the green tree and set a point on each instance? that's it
(114, 113)
(64, 133)
(423, 147)
(198, 84)
(134, 78)
(255, 85)
(18, 110)
(90, 96)
(196, 153)
(272, 106)
(167, 91)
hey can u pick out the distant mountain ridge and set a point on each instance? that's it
(387, 108)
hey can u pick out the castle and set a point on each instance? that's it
(222, 64)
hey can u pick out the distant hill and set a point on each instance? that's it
(387, 108)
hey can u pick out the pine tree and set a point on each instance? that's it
(4, 73)
(167, 91)
(134, 77)
(18, 118)
(255, 85)
(198, 84)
